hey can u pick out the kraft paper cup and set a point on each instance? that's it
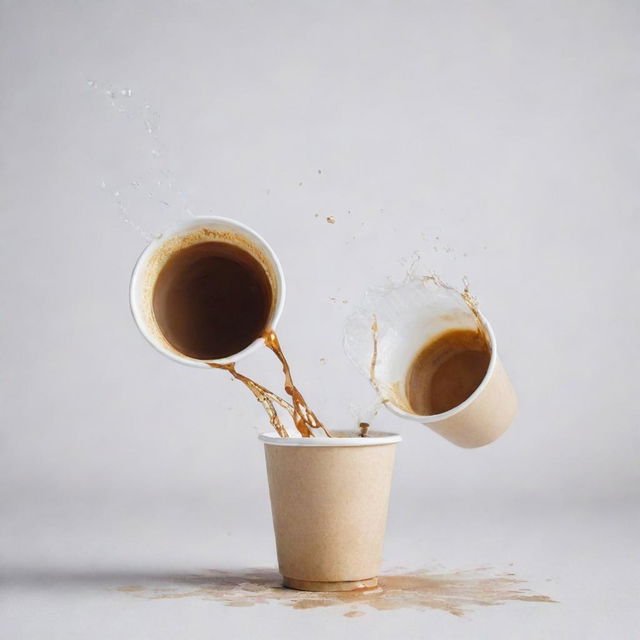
(195, 231)
(409, 316)
(484, 416)
(329, 500)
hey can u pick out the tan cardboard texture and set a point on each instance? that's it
(329, 506)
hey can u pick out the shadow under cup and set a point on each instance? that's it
(206, 291)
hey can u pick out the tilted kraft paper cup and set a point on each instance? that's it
(484, 416)
(409, 316)
(329, 499)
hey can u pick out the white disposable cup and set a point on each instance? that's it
(329, 501)
(155, 256)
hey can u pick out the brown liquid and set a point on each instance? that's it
(447, 371)
(455, 592)
(303, 418)
(212, 300)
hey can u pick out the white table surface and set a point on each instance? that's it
(65, 580)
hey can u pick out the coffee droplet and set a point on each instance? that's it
(331, 220)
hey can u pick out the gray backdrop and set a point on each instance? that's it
(498, 140)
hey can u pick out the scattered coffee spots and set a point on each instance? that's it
(331, 220)
(456, 592)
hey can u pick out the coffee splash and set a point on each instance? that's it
(265, 397)
(303, 417)
(151, 197)
(455, 592)
(211, 299)
(403, 341)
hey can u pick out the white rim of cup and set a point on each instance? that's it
(438, 417)
(373, 438)
(156, 243)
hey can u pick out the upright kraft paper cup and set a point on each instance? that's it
(329, 500)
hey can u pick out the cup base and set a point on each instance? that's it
(340, 585)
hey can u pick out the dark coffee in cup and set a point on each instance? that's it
(447, 370)
(211, 300)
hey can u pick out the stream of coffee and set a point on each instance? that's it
(194, 285)
(303, 417)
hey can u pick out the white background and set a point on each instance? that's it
(499, 140)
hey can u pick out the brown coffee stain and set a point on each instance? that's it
(455, 592)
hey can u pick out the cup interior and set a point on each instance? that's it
(193, 232)
(408, 317)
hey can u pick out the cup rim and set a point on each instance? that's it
(439, 417)
(156, 243)
(374, 438)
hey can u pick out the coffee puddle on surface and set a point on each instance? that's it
(455, 592)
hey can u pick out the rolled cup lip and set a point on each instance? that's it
(438, 417)
(373, 438)
(157, 242)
